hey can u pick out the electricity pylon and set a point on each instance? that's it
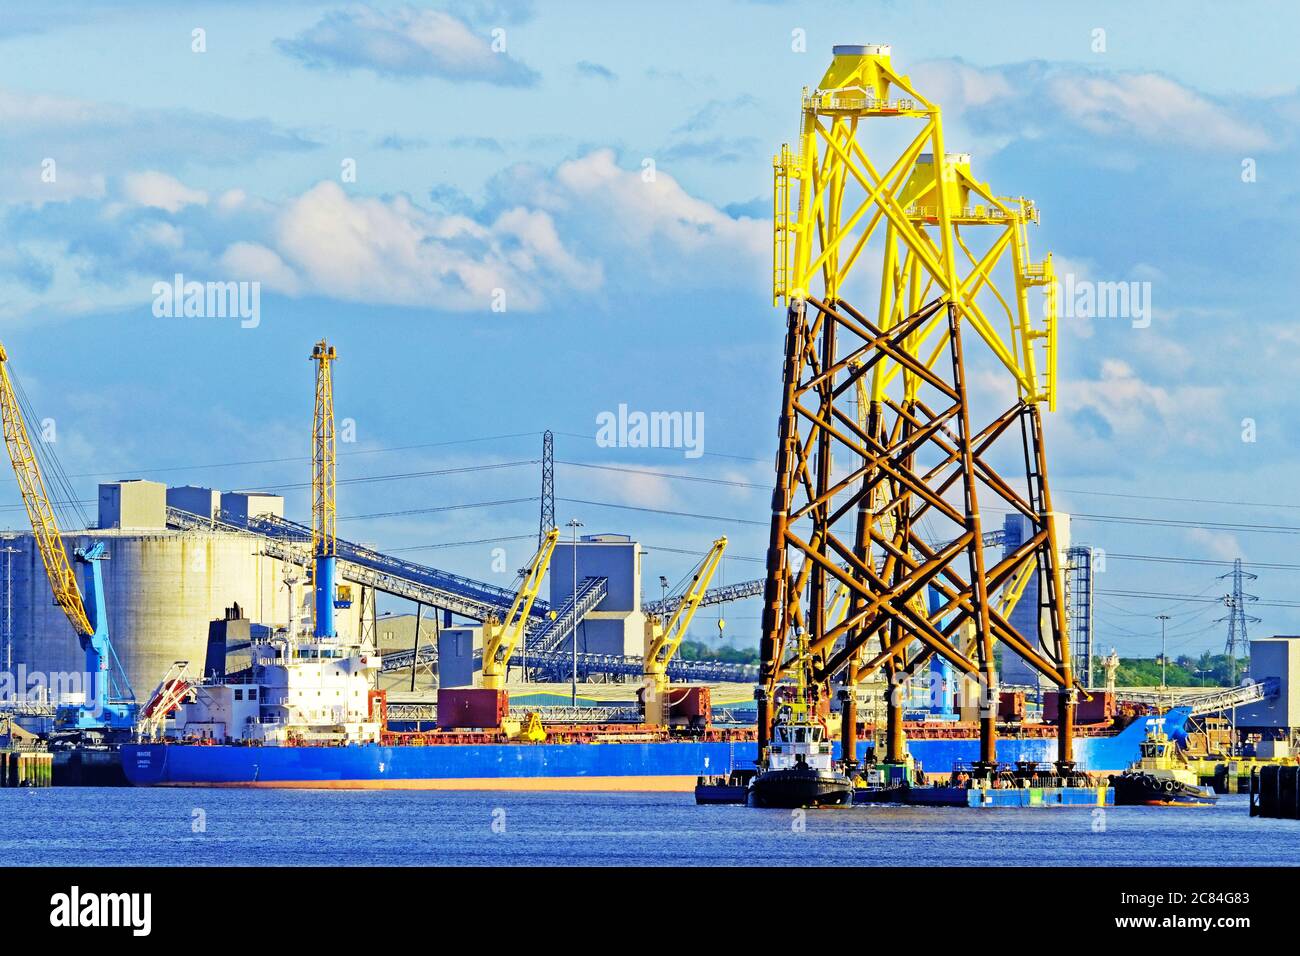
(1237, 618)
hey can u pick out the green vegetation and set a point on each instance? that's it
(1208, 670)
(700, 651)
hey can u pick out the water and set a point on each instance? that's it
(125, 827)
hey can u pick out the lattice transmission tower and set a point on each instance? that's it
(548, 487)
(1237, 646)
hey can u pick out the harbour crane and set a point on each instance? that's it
(324, 516)
(662, 640)
(502, 636)
(110, 704)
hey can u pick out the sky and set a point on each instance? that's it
(454, 194)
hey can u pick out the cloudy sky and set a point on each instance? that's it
(453, 193)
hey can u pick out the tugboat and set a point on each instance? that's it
(1161, 777)
(798, 770)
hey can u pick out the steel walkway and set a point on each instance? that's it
(591, 591)
(558, 665)
(290, 542)
(1211, 701)
(718, 595)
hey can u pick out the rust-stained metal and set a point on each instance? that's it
(887, 506)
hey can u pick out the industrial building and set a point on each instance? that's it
(615, 625)
(1016, 529)
(163, 586)
(1274, 659)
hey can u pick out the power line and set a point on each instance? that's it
(370, 479)
(435, 510)
(663, 511)
(298, 459)
(731, 483)
(1185, 597)
(1181, 500)
(1219, 562)
(458, 544)
(708, 454)
(1182, 523)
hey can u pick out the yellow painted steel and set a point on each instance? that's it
(1011, 592)
(45, 527)
(324, 517)
(500, 638)
(532, 731)
(917, 209)
(1007, 599)
(662, 640)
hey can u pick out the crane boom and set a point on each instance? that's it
(662, 640)
(45, 527)
(324, 516)
(501, 637)
(109, 703)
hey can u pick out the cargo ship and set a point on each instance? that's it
(305, 716)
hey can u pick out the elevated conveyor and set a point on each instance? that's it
(290, 542)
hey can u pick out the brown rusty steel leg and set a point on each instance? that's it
(775, 614)
(915, 472)
(1052, 590)
(822, 484)
(849, 729)
(896, 742)
(979, 583)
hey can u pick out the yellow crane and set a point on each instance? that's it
(45, 527)
(110, 703)
(501, 637)
(663, 639)
(324, 515)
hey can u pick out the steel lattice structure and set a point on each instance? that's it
(324, 456)
(861, 498)
(548, 486)
(1237, 646)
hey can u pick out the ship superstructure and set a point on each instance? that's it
(308, 690)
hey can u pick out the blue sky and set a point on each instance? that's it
(520, 169)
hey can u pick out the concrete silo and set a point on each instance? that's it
(161, 589)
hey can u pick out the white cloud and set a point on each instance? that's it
(55, 147)
(405, 41)
(952, 82)
(392, 251)
(586, 227)
(161, 191)
(1134, 409)
(1035, 100)
(661, 230)
(1215, 544)
(1152, 107)
(252, 261)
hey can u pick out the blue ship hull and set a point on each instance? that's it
(667, 765)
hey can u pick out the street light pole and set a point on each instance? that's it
(1164, 659)
(575, 524)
